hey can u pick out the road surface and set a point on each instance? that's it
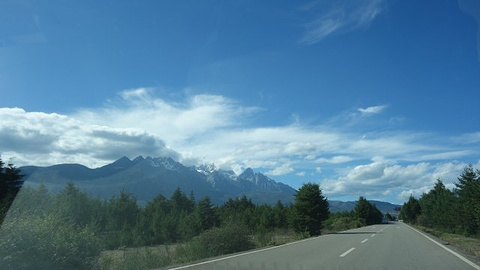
(387, 246)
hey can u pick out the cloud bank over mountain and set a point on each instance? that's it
(207, 128)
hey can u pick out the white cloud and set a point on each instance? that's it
(372, 109)
(215, 129)
(299, 148)
(35, 138)
(281, 170)
(174, 121)
(335, 159)
(376, 179)
(469, 138)
(339, 16)
(301, 174)
(321, 28)
(446, 155)
(142, 94)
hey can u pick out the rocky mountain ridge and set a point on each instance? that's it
(148, 177)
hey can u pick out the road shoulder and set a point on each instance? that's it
(448, 246)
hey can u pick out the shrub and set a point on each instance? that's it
(221, 240)
(46, 242)
(343, 223)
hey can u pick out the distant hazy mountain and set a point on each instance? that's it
(148, 177)
(339, 206)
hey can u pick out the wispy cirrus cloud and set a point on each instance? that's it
(338, 16)
(372, 109)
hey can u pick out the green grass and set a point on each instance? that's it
(167, 255)
(137, 258)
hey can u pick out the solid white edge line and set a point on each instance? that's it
(346, 252)
(365, 240)
(472, 264)
(245, 253)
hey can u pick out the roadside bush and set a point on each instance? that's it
(344, 223)
(218, 241)
(46, 242)
(134, 258)
(264, 238)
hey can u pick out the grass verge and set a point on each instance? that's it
(199, 248)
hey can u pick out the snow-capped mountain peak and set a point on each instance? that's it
(206, 169)
(248, 174)
(165, 162)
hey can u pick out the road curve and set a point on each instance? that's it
(387, 246)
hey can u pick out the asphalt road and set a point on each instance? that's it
(388, 246)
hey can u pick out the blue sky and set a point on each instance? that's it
(371, 97)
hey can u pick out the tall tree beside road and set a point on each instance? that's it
(309, 210)
(410, 210)
(468, 191)
(367, 212)
(438, 208)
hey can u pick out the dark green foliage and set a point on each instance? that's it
(229, 238)
(389, 217)
(280, 215)
(410, 210)
(309, 210)
(35, 235)
(342, 221)
(69, 229)
(367, 212)
(206, 214)
(468, 192)
(239, 210)
(47, 243)
(438, 208)
(455, 211)
(10, 184)
(121, 214)
(152, 225)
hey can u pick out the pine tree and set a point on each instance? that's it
(367, 212)
(309, 210)
(206, 214)
(410, 210)
(280, 215)
(468, 191)
(438, 208)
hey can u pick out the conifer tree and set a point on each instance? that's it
(309, 210)
(468, 191)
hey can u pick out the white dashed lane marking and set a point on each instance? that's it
(346, 252)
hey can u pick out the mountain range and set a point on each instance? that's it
(147, 177)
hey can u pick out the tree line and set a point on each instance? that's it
(454, 211)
